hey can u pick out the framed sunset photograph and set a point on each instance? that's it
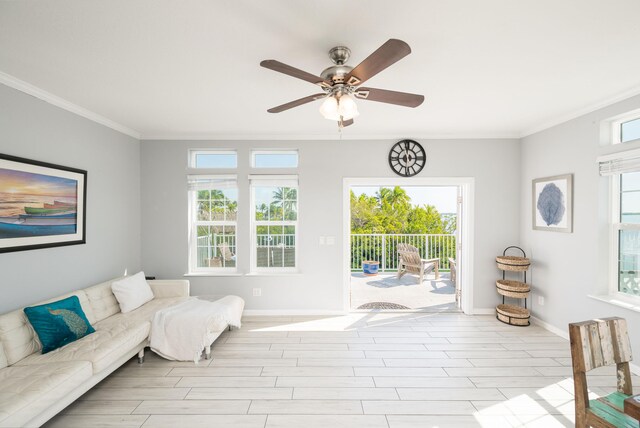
(41, 205)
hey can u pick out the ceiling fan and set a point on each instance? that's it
(341, 83)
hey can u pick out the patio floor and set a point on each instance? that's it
(432, 295)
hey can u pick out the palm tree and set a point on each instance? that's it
(395, 198)
(288, 198)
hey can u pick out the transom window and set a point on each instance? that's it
(275, 223)
(274, 158)
(630, 130)
(213, 159)
(214, 207)
(625, 128)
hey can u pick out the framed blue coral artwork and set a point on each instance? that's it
(553, 203)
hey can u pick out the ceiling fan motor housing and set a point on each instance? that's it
(336, 73)
(339, 55)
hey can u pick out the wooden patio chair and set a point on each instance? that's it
(410, 262)
(225, 252)
(597, 343)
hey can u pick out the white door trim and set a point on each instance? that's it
(466, 264)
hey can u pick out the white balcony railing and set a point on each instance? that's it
(272, 250)
(374, 246)
(384, 248)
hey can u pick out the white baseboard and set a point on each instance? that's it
(291, 312)
(635, 369)
(553, 329)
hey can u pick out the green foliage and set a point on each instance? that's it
(283, 206)
(391, 211)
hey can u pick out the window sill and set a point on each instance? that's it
(213, 274)
(252, 274)
(274, 274)
(620, 301)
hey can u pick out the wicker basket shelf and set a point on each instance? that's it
(513, 263)
(514, 289)
(513, 315)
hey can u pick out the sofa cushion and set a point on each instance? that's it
(25, 391)
(18, 337)
(132, 292)
(101, 348)
(102, 301)
(58, 323)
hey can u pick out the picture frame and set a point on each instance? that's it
(42, 205)
(552, 203)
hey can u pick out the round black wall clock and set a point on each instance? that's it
(407, 158)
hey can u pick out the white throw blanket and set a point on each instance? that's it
(182, 331)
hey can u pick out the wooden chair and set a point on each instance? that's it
(225, 252)
(410, 262)
(597, 343)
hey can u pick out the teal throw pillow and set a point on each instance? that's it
(59, 323)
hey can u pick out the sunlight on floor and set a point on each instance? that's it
(548, 406)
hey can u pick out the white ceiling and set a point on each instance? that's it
(190, 68)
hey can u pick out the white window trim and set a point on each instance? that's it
(195, 152)
(614, 228)
(192, 239)
(262, 180)
(274, 151)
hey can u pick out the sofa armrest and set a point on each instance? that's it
(170, 287)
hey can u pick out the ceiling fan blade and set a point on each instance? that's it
(347, 122)
(296, 103)
(280, 67)
(389, 53)
(389, 97)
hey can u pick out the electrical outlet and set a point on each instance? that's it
(257, 292)
(541, 300)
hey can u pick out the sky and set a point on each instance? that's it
(442, 197)
(27, 183)
(630, 130)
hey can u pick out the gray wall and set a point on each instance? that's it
(569, 266)
(323, 165)
(33, 129)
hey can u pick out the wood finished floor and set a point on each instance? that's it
(387, 370)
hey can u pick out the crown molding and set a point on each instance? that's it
(582, 111)
(322, 137)
(27, 88)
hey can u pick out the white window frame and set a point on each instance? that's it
(616, 126)
(277, 181)
(193, 153)
(628, 161)
(274, 151)
(194, 223)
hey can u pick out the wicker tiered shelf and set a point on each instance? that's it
(507, 313)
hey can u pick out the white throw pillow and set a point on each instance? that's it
(132, 292)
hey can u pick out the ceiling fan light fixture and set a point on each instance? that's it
(341, 82)
(347, 107)
(329, 108)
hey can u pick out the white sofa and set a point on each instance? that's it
(35, 387)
